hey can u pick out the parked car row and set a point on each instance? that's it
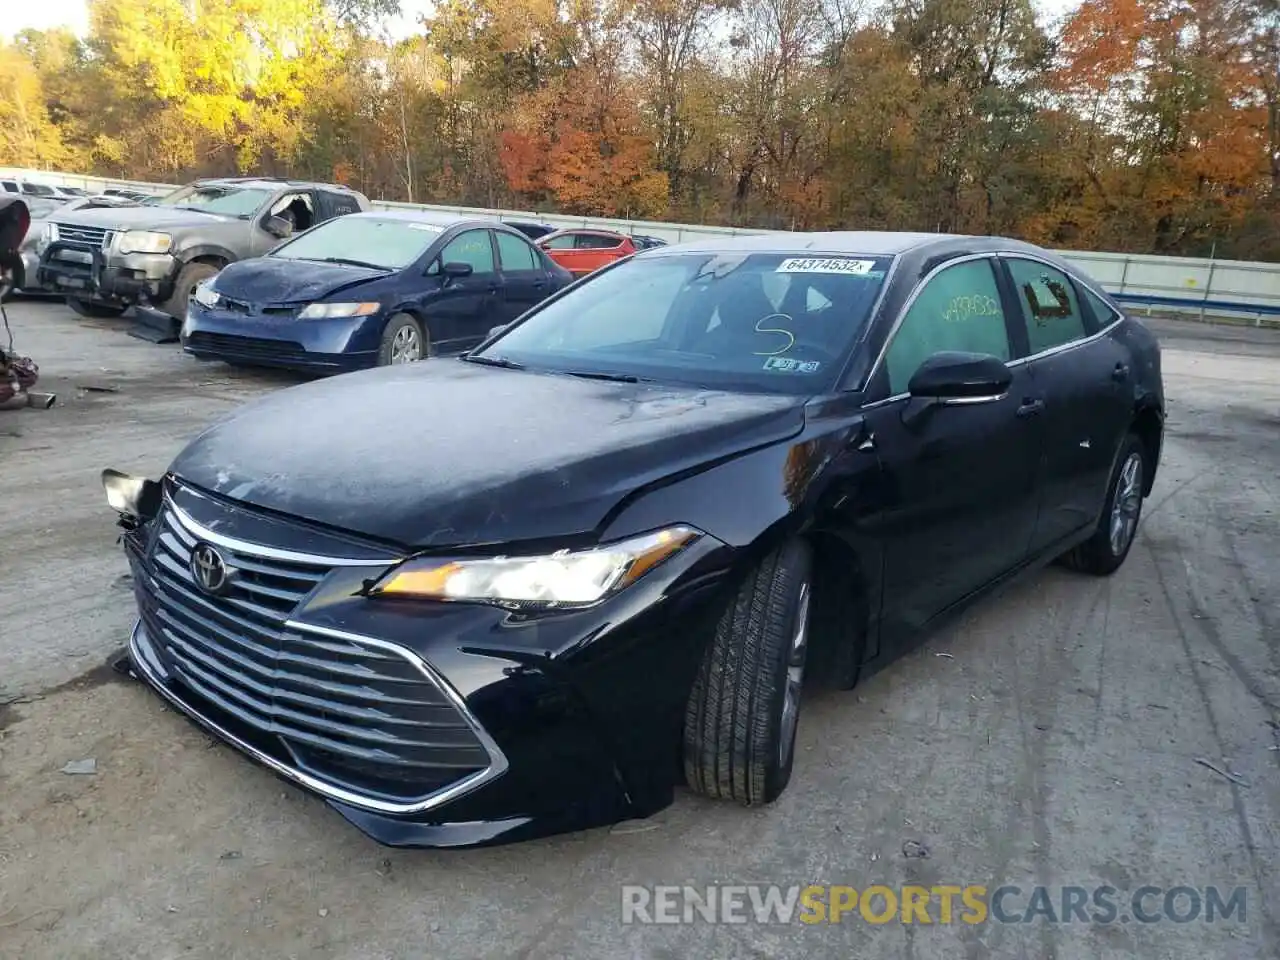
(304, 275)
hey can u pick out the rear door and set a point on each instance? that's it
(959, 496)
(1084, 377)
(462, 312)
(524, 281)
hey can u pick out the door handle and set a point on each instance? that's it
(1031, 408)
(539, 284)
(1121, 373)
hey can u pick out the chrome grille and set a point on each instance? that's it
(364, 718)
(97, 237)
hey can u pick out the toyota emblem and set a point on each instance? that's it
(209, 569)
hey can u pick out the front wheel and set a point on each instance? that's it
(189, 277)
(744, 708)
(403, 341)
(1104, 552)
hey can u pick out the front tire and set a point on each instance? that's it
(1104, 552)
(403, 341)
(743, 710)
(95, 311)
(184, 285)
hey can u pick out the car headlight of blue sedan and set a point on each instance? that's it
(326, 311)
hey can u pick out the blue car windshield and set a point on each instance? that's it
(390, 243)
(776, 323)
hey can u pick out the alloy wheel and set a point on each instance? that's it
(1127, 504)
(406, 346)
(795, 678)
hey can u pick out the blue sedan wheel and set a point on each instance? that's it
(403, 341)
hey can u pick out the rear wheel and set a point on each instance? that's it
(403, 341)
(1104, 552)
(744, 708)
(98, 311)
(184, 285)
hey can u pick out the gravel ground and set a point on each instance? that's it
(1052, 736)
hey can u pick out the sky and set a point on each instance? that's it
(72, 13)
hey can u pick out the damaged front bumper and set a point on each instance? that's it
(80, 271)
(423, 724)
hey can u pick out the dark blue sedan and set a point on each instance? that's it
(370, 289)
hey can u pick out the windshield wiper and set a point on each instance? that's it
(596, 375)
(351, 263)
(502, 362)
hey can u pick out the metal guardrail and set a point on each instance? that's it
(1205, 286)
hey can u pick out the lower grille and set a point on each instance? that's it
(361, 716)
(257, 347)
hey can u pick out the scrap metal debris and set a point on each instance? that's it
(1234, 778)
(915, 850)
(86, 767)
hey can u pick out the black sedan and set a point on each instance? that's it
(369, 289)
(533, 588)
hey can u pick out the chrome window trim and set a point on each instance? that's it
(1117, 319)
(497, 759)
(202, 532)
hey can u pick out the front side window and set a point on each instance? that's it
(1048, 302)
(762, 322)
(514, 253)
(392, 244)
(563, 242)
(958, 309)
(472, 247)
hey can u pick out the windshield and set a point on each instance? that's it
(220, 198)
(38, 190)
(773, 323)
(390, 243)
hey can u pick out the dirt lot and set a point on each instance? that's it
(1051, 737)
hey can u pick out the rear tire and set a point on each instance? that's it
(184, 285)
(96, 311)
(743, 709)
(1104, 552)
(404, 340)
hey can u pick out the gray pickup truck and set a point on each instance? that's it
(105, 261)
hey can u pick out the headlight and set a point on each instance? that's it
(135, 497)
(205, 295)
(565, 578)
(47, 236)
(144, 241)
(322, 311)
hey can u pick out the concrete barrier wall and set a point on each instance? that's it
(1205, 286)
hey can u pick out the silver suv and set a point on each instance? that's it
(105, 261)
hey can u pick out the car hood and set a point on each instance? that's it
(445, 452)
(139, 218)
(282, 280)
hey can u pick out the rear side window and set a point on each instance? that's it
(594, 241)
(959, 309)
(1049, 306)
(514, 253)
(337, 204)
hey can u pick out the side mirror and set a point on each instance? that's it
(954, 378)
(494, 331)
(278, 227)
(455, 270)
(963, 377)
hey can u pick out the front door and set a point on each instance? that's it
(462, 312)
(524, 281)
(959, 498)
(1088, 395)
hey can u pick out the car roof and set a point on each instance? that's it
(593, 231)
(268, 183)
(866, 242)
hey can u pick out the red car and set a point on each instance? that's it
(582, 251)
